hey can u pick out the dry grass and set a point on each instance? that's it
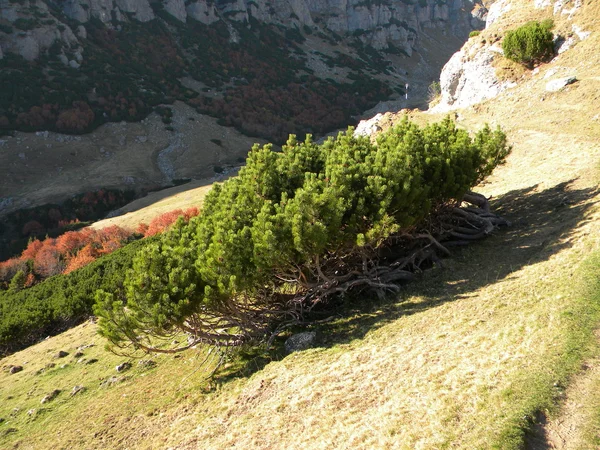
(154, 204)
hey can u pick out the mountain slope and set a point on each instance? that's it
(467, 357)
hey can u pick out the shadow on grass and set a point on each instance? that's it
(543, 223)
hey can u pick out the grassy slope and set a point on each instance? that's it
(464, 358)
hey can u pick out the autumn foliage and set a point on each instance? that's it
(75, 249)
(162, 222)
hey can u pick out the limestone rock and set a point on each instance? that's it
(202, 12)
(300, 341)
(27, 47)
(81, 32)
(61, 354)
(140, 9)
(177, 9)
(368, 127)
(558, 84)
(496, 11)
(378, 24)
(469, 78)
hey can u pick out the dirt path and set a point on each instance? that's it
(567, 430)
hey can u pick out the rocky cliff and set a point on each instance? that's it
(31, 27)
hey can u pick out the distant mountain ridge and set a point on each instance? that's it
(376, 22)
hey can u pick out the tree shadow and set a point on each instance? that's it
(543, 223)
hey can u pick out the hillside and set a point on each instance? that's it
(496, 349)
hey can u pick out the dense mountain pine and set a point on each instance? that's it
(296, 228)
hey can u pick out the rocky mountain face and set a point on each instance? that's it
(31, 27)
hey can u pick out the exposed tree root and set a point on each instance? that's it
(376, 268)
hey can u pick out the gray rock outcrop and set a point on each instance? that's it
(379, 24)
(469, 78)
(202, 12)
(140, 9)
(176, 8)
(15, 369)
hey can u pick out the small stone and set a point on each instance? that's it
(558, 84)
(123, 367)
(31, 412)
(61, 354)
(300, 341)
(78, 354)
(15, 369)
(77, 389)
(147, 363)
(51, 396)
(110, 381)
(91, 361)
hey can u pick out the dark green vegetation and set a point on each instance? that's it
(260, 85)
(60, 302)
(530, 43)
(300, 227)
(52, 220)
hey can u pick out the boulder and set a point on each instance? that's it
(558, 84)
(51, 396)
(368, 127)
(77, 389)
(15, 369)
(123, 367)
(300, 341)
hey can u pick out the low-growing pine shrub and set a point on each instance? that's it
(530, 43)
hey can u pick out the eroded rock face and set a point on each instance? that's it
(176, 8)
(380, 24)
(469, 78)
(140, 9)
